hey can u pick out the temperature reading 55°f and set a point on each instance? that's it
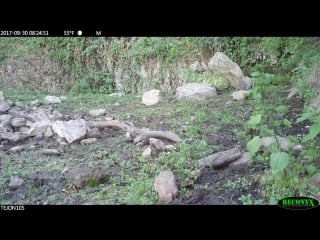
(68, 33)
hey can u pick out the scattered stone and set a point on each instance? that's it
(151, 97)
(315, 103)
(94, 133)
(165, 185)
(19, 104)
(196, 67)
(241, 162)
(248, 83)
(5, 117)
(147, 153)
(1, 96)
(4, 106)
(297, 149)
(18, 122)
(240, 95)
(97, 112)
(24, 130)
(52, 99)
(18, 148)
(13, 137)
(35, 103)
(38, 136)
(170, 147)
(223, 66)
(80, 177)
(88, 141)
(72, 130)
(5, 123)
(40, 179)
(66, 169)
(293, 92)
(50, 152)
(129, 137)
(204, 66)
(267, 142)
(56, 114)
(156, 146)
(48, 133)
(39, 127)
(15, 183)
(63, 98)
(220, 159)
(195, 91)
(316, 179)
(116, 94)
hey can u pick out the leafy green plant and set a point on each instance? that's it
(312, 115)
(279, 161)
(254, 145)
(246, 199)
(311, 169)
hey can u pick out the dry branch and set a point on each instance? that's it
(220, 159)
(143, 134)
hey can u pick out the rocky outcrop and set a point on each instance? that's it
(222, 65)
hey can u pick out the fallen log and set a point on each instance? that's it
(142, 134)
(146, 134)
(220, 159)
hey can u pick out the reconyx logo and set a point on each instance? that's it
(298, 203)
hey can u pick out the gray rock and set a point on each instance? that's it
(56, 114)
(157, 146)
(248, 83)
(196, 67)
(13, 137)
(165, 185)
(18, 148)
(48, 133)
(24, 130)
(241, 162)
(5, 117)
(170, 147)
(316, 179)
(63, 98)
(195, 91)
(15, 183)
(39, 127)
(116, 94)
(147, 153)
(94, 133)
(240, 95)
(72, 130)
(88, 141)
(151, 97)
(19, 104)
(50, 152)
(35, 103)
(223, 66)
(4, 106)
(293, 92)
(284, 143)
(315, 103)
(80, 177)
(52, 99)
(18, 122)
(97, 112)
